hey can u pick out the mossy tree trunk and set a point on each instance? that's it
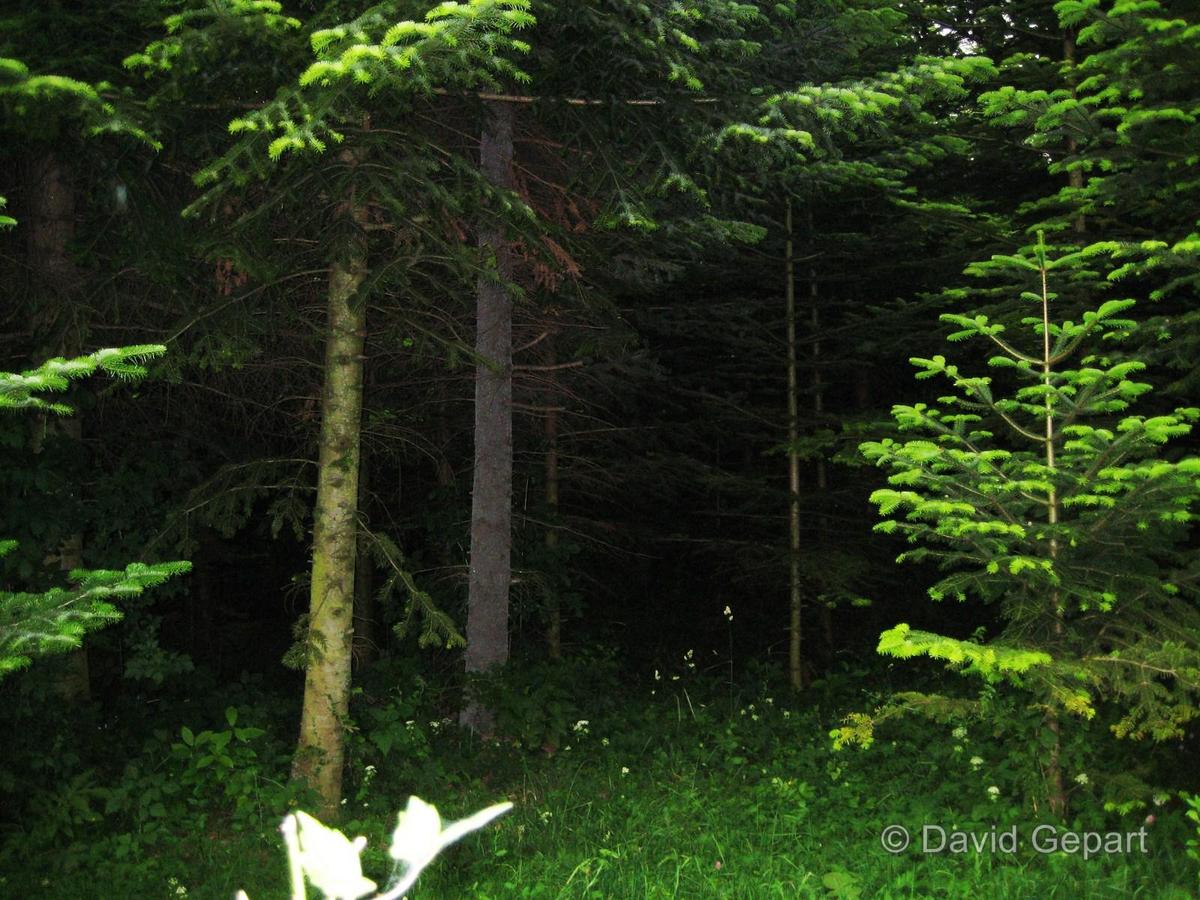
(320, 756)
(491, 496)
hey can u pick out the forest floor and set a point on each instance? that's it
(683, 786)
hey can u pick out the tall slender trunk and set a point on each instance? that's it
(320, 755)
(51, 228)
(796, 600)
(818, 407)
(491, 496)
(554, 612)
(1056, 789)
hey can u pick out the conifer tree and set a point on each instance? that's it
(1114, 123)
(336, 100)
(1036, 492)
(39, 624)
(51, 112)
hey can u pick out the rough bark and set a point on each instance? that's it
(320, 755)
(795, 595)
(491, 496)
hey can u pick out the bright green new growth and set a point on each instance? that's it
(19, 391)
(34, 625)
(330, 862)
(459, 46)
(37, 624)
(48, 98)
(1067, 517)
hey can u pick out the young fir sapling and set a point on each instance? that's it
(1069, 518)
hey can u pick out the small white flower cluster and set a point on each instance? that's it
(580, 727)
(176, 888)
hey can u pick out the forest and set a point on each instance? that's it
(599, 449)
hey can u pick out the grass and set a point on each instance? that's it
(665, 795)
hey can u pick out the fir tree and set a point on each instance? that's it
(1056, 506)
(55, 621)
(336, 101)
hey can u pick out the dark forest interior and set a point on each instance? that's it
(752, 439)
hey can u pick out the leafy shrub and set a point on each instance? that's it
(539, 703)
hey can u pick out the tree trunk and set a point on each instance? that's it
(491, 496)
(1056, 790)
(320, 755)
(554, 611)
(51, 228)
(366, 646)
(796, 600)
(818, 406)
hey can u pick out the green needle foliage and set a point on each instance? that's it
(37, 624)
(19, 391)
(1035, 492)
(41, 104)
(457, 46)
